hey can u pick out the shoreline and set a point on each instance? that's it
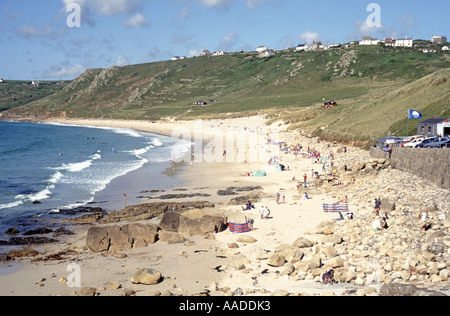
(189, 268)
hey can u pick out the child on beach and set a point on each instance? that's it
(376, 206)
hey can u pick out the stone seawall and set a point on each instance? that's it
(429, 163)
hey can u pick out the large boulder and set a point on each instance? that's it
(170, 221)
(302, 242)
(117, 238)
(201, 226)
(97, 239)
(146, 277)
(276, 260)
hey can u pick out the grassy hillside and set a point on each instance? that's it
(382, 112)
(374, 87)
(17, 93)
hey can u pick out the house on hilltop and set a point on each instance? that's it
(439, 39)
(369, 40)
(205, 53)
(261, 49)
(404, 42)
(301, 47)
(219, 53)
(267, 53)
(316, 46)
(389, 42)
(1, 80)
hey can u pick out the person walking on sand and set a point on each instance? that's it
(278, 198)
(305, 177)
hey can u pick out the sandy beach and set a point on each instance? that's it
(221, 265)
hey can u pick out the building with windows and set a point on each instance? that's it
(435, 126)
(404, 42)
(439, 39)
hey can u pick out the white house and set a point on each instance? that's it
(404, 42)
(389, 42)
(316, 46)
(301, 47)
(219, 53)
(261, 49)
(331, 46)
(368, 40)
(205, 53)
(439, 39)
(1, 80)
(444, 48)
(267, 53)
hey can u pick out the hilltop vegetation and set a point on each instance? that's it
(374, 87)
(17, 93)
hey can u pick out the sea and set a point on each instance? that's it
(46, 168)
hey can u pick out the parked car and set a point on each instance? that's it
(447, 144)
(427, 143)
(440, 142)
(413, 143)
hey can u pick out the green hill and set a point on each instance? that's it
(16, 93)
(374, 87)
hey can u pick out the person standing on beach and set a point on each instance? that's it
(124, 199)
(305, 177)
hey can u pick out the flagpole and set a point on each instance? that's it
(407, 126)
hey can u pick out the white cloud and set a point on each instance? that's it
(42, 31)
(310, 37)
(194, 52)
(138, 20)
(109, 7)
(67, 72)
(252, 4)
(228, 41)
(216, 3)
(122, 61)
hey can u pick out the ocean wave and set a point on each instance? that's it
(10, 205)
(79, 166)
(39, 196)
(75, 167)
(126, 131)
(56, 178)
(156, 142)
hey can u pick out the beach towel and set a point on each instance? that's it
(335, 208)
(239, 228)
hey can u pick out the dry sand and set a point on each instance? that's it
(190, 268)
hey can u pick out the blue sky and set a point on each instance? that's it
(37, 43)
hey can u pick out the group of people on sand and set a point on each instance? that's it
(278, 197)
(264, 211)
(381, 222)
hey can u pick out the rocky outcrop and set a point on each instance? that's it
(192, 226)
(149, 211)
(173, 228)
(112, 239)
